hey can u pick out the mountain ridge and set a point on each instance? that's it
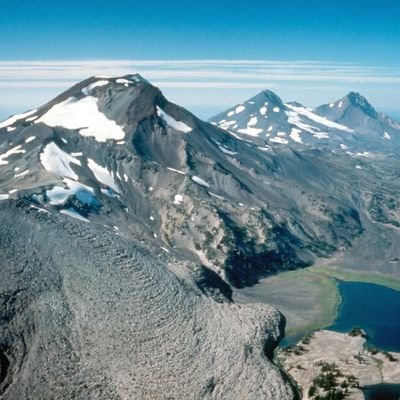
(298, 125)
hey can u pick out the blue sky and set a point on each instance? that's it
(312, 51)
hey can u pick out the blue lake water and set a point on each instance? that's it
(383, 391)
(372, 307)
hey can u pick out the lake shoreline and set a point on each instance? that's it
(309, 298)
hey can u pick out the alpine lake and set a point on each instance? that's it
(339, 300)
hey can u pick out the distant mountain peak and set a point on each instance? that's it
(356, 98)
(359, 101)
(267, 96)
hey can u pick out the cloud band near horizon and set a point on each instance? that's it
(197, 83)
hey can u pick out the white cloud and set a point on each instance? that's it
(195, 83)
(249, 70)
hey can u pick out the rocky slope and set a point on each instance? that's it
(104, 205)
(87, 313)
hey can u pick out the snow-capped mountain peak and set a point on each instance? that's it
(66, 150)
(268, 119)
(102, 108)
(82, 107)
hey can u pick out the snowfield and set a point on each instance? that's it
(172, 122)
(85, 116)
(58, 162)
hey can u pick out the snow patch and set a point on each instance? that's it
(234, 135)
(230, 113)
(295, 135)
(295, 119)
(225, 125)
(30, 139)
(70, 212)
(110, 193)
(216, 196)
(321, 135)
(250, 131)
(4, 196)
(252, 121)
(239, 109)
(386, 136)
(176, 170)
(22, 173)
(93, 85)
(276, 109)
(302, 111)
(265, 148)
(279, 140)
(84, 115)
(122, 81)
(59, 195)
(14, 150)
(103, 175)
(172, 122)
(363, 154)
(227, 151)
(178, 199)
(58, 162)
(39, 209)
(263, 110)
(15, 118)
(200, 181)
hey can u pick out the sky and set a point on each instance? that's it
(204, 55)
